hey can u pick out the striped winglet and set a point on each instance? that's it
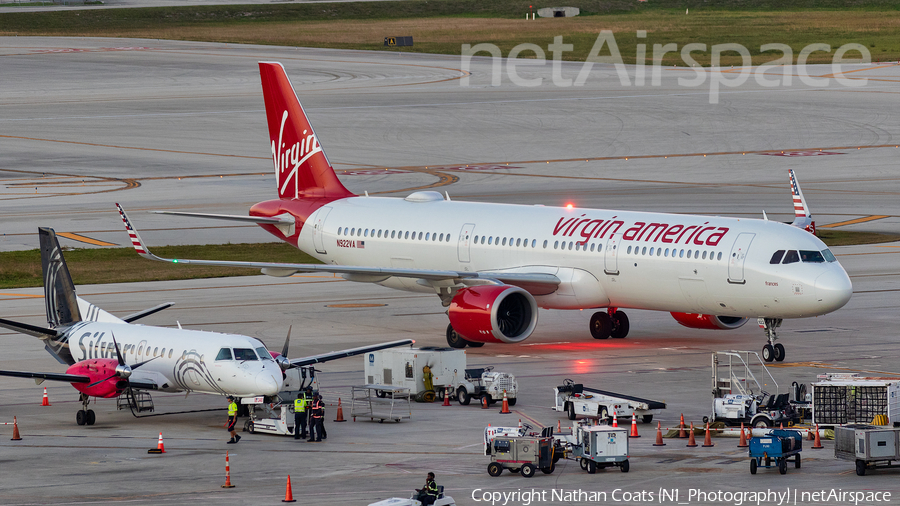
(800, 209)
(133, 235)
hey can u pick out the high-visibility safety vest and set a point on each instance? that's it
(318, 411)
(300, 405)
(431, 488)
(232, 409)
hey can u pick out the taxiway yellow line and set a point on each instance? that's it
(21, 295)
(854, 222)
(88, 240)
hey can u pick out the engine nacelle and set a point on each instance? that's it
(98, 369)
(493, 314)
(709, 322)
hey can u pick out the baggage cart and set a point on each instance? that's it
(380, 402)
(601, 446)
(524, 455)
(774, 450)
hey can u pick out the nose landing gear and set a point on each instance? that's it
(772, 350)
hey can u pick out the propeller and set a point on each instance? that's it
(282, 359)
(123, 370)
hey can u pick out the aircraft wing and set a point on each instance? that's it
(334, 355)
(68, 378)
(536, 283)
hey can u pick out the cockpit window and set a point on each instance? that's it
(263, 354)
(244, 354)
(829, 256)
(791, 257)
(811, 256)
(224, 354)
(776, 258)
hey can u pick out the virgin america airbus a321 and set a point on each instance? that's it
(108, 357)
(493, 265)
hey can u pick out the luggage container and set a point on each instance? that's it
(601, 446)
(840, 399)
(868, 446)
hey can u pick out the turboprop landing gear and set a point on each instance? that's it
(85, 416)
(772, 350)
(454, 340)
(611, 323)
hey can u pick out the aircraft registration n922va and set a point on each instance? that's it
(109, 357)
(493, 265)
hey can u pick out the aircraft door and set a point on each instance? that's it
(465, 240)
(738, 255)
(612, 254)
(319, 229)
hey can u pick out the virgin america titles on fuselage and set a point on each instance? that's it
(493, 265)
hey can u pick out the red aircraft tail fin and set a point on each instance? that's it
(301, 167)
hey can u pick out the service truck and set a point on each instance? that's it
(575, 400)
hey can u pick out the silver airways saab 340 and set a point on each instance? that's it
(493, 265)
(108, 357)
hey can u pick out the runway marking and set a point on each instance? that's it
(81, 238)
(350, 306)
(854, 222)
(822, 365)
(21, 295)
(95, 144)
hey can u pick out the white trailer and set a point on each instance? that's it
(840, 399)
(576, 400)
(405, 368)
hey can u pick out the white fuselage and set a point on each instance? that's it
(180, 360)
(604, 258)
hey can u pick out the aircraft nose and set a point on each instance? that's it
(268, 383)
(833, 289)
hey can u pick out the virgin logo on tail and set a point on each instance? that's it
(292, 157)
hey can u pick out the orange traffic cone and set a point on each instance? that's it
(707, 441)
(504, 410)
(809, 436)
(681, 433)
(742, 442)
(634, 432)
(659, 441)
(484, 403)
(446, 397)
(782, 426)
(340, 415)
(227, 473)
(288, 493)
(160, 448)
(691, 442)
(16, 436)
(615, 420)
(818, 444)
(46, 400)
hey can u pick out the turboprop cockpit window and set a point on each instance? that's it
(263, 354)
(224, 354)
(791, 257)
(812, 257)
(244, 354)
(829, 256)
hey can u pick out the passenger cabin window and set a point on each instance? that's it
(264, 354)
(791, 257)
(244, 354)
(224, 354)
(811, 257)
(776, 257)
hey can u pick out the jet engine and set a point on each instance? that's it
(493, 314)
(709, 322)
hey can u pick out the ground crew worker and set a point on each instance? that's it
(428, 494)
(317, 411)
(232, 420)
(300, 416)
(322, 430)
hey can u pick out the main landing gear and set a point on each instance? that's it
(772, 350)
(612, 323)
(454, 340)
(85, 416)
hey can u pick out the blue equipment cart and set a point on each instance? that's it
(778, 446)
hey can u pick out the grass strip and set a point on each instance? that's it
(22, 269)
(442, 26)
